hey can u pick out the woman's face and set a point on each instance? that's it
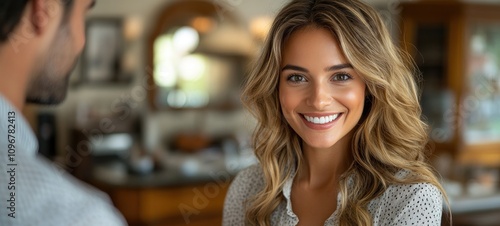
(321, 95)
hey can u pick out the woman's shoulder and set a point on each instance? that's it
(403, 204)
(249, 180)
(419, 192)
(426, 191)
(415, 188)
(245, 185)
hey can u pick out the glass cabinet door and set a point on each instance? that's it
(437, 98)
(480, 108)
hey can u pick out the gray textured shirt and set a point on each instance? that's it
(34, 192)
(415, 204)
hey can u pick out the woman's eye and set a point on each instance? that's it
(341, 77)
(296, 78)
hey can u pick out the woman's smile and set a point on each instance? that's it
(321, 121)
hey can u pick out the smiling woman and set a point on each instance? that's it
(339, 137)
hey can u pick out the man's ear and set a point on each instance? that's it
(40, 16)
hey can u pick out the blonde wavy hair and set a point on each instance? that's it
(390, 135)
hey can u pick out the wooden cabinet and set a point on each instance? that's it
(456, 46)
(193, 205)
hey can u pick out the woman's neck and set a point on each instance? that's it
(322, 168)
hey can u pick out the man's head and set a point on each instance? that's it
(58, 28)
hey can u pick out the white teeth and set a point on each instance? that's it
(321, 120)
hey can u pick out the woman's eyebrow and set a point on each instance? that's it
(338, 67)
(331, 68)
(295, 68)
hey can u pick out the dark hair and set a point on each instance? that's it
(11, 11)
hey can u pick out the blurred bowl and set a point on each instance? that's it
(192, 142)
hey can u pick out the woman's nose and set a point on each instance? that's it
(319, 96)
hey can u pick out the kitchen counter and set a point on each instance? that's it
(117, 174)
(475, 204)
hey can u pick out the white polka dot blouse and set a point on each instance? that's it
(415, 204)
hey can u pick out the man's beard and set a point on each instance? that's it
(49, 81)
(47, 91)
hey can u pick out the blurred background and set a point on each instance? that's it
(153, 116)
